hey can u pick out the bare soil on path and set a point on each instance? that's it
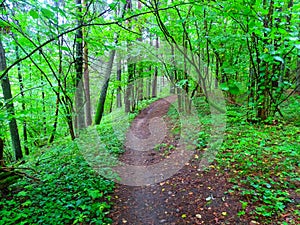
(190, 196)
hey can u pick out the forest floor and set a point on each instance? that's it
(253, 180)
(191, 196)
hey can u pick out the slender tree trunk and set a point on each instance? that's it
(101, 101)
(44, 108)
(298, 76)
(88, 108)
(112, 101)
(140, 87)
(140, 69)
(119, 78)
(174, 72)
(128, 98)
(298, 69)
(149, 84)
(13, 127)
(129, 89)
(25, 136)
(51, 139)
(1, 152)
(179, 99)
(154, 83)
(264, 86)
(79, 95)
(79, 102)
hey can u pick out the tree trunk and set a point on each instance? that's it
(173, 78)
(119, 78)
(148, 94)
(88, 110)
(297, 89)
(154, 83)
(79, 95)
(298, 77)
(101, 101)
(1, 152)
(25, 136)
(44, 108)
(112, 101)
(129, 89)
(13, 127)
(79, 102)
(51, 139)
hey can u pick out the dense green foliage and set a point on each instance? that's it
(55, 55)
(263, 160)
(67, 191)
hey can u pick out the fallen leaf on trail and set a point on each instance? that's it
(211, 197)
(183, 216)
(208, 198)
(224, 213)
(198, 216)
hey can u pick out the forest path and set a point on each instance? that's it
(188, 197)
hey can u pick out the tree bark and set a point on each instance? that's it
(129, 89)
(101, 101)
(88, 111)
(20, 77)
(119, 79)
(88, 108)
(154, 83)
(298, 77)
(52, 136)
(79, 95)
(1, 152)
(13, 127)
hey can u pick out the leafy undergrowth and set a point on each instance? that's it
(263, 160)
(67, 191)
(72, 180)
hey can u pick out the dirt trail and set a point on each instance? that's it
(189, 197)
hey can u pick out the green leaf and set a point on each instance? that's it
(47, 13)
(95, 194)
(224, 87)
(233, 89)
(65, 48)
(34, 14)
(22, 194)
(112, 6)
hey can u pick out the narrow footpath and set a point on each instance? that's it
(190, 196)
